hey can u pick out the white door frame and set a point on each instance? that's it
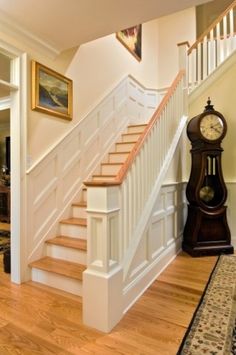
(18, 132)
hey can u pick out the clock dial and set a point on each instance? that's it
(211, 127)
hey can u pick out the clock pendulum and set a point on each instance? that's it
(206, 231)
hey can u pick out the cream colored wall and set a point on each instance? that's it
(173, 29)
(222, 93)
(95, 69)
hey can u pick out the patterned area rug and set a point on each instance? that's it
(4, 241)
(213, 328)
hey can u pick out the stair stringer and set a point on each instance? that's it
(145, 275)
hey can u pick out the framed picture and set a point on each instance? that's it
(51, 92)
(131, 38)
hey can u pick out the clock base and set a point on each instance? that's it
(207, 251)
(206, 232)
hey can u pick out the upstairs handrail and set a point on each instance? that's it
(212, 48)
(212, 26)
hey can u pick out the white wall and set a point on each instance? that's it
(173, 29)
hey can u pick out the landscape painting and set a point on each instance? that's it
(131, 38)
(51, 92)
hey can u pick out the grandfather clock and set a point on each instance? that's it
(206, 230)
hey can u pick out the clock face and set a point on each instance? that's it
(211, 127)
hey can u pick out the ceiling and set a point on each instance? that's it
(63, 24)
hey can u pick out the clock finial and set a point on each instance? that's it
(209, 106)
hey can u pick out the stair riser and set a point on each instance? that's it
(73, 231)
(57, 281)
(118, 158)
(130, 138)
(69, 254)
(110, 169)
(136, 129)
(79, 212)
(124, 147)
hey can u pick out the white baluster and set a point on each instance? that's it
(199, 63)
(225, 40)
(231, 30)
(212, 52)
(218, 44)
(204, 58)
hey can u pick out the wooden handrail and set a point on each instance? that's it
(138, 145)
(136, 149)
(208, 30)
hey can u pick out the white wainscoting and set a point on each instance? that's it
(57, 179)
(160, 243)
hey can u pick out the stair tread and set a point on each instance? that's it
(112, 164)
(126, 142)
(75, 221)
(58, 266)
(69, 242)
(80, 204)
(120, 152)
(101, 175)
(137, 125)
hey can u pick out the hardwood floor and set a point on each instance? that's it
(35, 319)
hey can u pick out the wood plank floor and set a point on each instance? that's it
(38, 320)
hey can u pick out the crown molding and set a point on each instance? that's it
(10, 28)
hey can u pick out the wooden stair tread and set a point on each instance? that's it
(119, 152)
(80, 204)
(138, 125)
(75, 221)
(69, 242)
(126, 142)
(111, 164)
(100, 175)
(61, 267)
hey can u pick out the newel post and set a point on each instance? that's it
(102, 281)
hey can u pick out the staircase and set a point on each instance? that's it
(66, 254)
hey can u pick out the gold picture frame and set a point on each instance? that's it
(131, 38)
(51, 92)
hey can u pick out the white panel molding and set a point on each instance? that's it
(56, 180)
(144, 271)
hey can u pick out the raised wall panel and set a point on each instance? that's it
(156, 238)
(90, 129)
(71, 179)
(70, 152)
(43, 178)
(44, 213)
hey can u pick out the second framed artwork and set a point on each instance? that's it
(131, 38)
(51, 92)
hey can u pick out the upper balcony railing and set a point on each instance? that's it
(212, 47)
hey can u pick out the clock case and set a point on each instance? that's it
(206, 230)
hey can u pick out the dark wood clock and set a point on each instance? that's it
(206, 230)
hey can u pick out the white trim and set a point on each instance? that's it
(7, 26)
(5, 103)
